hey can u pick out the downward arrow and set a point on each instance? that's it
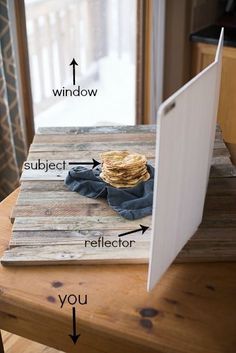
(142, 228)
(73, 63)
(74, 336)
(94, 163)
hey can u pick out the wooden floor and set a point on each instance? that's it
(16, 344)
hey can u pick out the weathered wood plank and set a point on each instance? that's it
(36, 238)
(68, 203)
(115, 129)
(136, 146)
(221, 160)
(211, 219)
(60, 209)
(83, 156)
(94, 146)
(78, 223)
(41, 175)
(71, 254)
(34, 186)
(60, 197)
(219, 144)
(68, 248)
(222, 170)
(86, 138)
(220, 152)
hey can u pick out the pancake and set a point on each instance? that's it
(125, 176)
(125, 183)
(123, 168)
(122, 159)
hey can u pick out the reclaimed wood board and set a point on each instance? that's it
(51, 223)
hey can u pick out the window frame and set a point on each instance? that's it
(22, 55)
(143, 65)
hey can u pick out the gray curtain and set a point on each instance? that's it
(12, 144)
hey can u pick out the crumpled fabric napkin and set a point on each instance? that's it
(130, 203)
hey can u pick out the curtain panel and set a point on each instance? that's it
(12, 142)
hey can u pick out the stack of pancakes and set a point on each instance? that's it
(124, 169)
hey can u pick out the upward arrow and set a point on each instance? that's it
(73, 63)
(74, 336)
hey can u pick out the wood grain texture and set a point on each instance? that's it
(52, 223)
(203, 54)
(16, 344)
(24, 69)
(98, 130)
(47, 248)
(86, 137)
(190, 310)
(1, 344)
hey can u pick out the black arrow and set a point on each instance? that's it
(94, 163)
(74, 336)
(142, 228)
(74, 63)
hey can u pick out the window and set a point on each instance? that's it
(101, 36)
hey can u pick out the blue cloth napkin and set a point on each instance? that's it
(130, 203)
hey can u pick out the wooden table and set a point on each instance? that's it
(192, 309)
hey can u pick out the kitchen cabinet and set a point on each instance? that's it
(202, 55)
